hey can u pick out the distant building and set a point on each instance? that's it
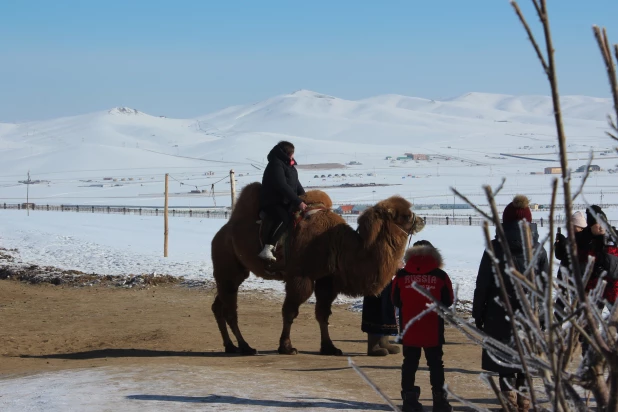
(344, 209)
(388, 157)
(417, 156)
(553, 170)
(358, 209)
(592, 168)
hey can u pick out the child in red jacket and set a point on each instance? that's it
(423, 266)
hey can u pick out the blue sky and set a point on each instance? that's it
(185, 58)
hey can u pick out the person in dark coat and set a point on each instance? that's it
(423, 266)
(594, 241)
(279, 194)
(489, 315)
(379, 322)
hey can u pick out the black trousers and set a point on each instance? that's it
(411, 358)
(280, 216)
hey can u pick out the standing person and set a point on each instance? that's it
(490, 315)
(379, 322)
(423, 266)
(279, 194)
(595, 241)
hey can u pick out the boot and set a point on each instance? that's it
(267, 253)
(373, 346)
(511, 400)
(410, 400)
(440, 402)
(523, 403)
(392, 349)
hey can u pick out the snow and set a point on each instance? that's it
(467, 136)
(172, 387)
(119, 244)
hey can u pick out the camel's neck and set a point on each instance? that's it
(369, 269)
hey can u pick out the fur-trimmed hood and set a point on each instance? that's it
(422, 259)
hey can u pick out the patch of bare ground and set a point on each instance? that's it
(47, 327)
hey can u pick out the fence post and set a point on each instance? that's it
(5, 205)
(173, 212)
(226, 214)
(425, 219)
(208, 214)
(77, 209)
(156, 212)
(140, 211)
(48, 208)
(470, 219)
(18, 206)
(541, 222)
(447, 221)
(190, 213)
(124, 210)
(107, 209)
(92, 209)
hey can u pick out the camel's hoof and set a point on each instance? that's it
(330, 350)
(248, 351)
(231, 348)
(286, 350)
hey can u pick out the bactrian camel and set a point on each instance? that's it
(325, 255)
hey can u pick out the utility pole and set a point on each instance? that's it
(28, 194)
(165, 225)
(233, 188)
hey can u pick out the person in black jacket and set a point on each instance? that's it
(489, 315)
(279, 194)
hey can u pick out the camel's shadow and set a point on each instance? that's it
(294, 402)
(149, 353)
(136, 353)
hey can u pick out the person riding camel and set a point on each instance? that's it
(279, 194)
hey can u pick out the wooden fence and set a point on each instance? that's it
(224, 214)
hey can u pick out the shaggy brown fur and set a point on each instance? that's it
(424, 251)
(326, 255)
(521, 202)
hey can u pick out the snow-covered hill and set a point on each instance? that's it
(466, 138)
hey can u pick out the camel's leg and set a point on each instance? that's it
(325, 294)
(219, 312)
(229, 275)
(297, 291)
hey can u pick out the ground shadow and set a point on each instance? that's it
(421, 368)
(136, 353)
(301, 403)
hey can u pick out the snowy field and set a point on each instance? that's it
(119, 245)
(120, 156)
(171, 388)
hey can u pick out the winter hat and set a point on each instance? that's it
(517, 210)
(590, 219)
(579, 220)
(422, 243)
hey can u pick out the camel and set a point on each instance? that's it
(326, 256)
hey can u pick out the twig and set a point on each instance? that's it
(373, 385)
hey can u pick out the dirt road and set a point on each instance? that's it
(168, 334)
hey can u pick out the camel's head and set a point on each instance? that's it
(394, 213)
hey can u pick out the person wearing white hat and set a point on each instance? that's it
(579, 221)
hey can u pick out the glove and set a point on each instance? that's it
(560, 238)
(560, 247)
(479, 323)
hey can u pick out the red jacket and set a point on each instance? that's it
(423, 266)
(611, 289)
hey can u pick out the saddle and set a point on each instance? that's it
(283, 244)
